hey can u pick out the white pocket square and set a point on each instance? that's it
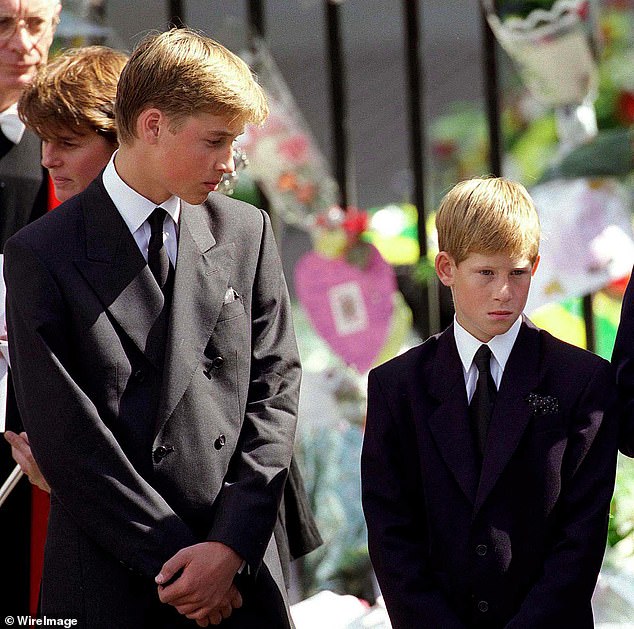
(230, 296)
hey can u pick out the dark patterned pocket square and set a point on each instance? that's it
(543, 404)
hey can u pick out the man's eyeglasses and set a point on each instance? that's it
(35, 25)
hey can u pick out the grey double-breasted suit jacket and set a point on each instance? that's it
(143, 461)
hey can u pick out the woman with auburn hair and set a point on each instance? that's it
(70, 105)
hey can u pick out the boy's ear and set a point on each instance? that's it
(535, 265)
(445, 268)
(149, 124)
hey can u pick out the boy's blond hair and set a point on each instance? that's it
(74, 92)
(182, 73)
(487, 216)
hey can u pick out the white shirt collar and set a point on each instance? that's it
(500, 346)
(134, 207)
(12, 127)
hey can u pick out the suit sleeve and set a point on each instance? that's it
(623, 361)
(248, 503)
(393, 505)
(88, 472)
(579, 537)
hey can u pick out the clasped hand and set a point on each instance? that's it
(204, 590)
(22, 455)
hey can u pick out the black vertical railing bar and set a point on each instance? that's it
(491, 89)
(257, 31)
(339, 110)
(176, 13)
(588, 320)
(587, 300)
(416, 131)
(257, 24)
(415, 90)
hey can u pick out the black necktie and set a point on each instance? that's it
(157, 258)
(5, 144)
(483, 399)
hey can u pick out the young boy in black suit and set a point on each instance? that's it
(489, 455)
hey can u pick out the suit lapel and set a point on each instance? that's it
(449, 421)
(5, 144)
(117, 271)
(511, 414)
(202, 275)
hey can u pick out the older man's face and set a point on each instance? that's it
(24, 43)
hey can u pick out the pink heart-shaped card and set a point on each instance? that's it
(350, 307)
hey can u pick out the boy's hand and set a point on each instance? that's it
(204, 590)
(22, 455)
(232, 601)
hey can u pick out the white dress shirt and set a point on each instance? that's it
(135, 209)
(500, 346)
(11, 125)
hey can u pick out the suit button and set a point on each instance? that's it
(220, 442)
(217, 362)
(481, 549)
(160, 452)
(483, 607)
(139, 375)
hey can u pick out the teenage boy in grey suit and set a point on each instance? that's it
(164, 345)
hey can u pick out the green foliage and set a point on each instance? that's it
(535, 147)
(608, 155)
(520, 8)
(424, 271)
(622, 509)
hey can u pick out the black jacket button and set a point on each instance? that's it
(160, 452)
(220, 442)
(483, 607)
(217, 362)
(481, 549)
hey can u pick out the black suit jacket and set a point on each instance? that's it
(23, 198)
(623, 361)
(23, 185)
(144, 461)
(519, 545)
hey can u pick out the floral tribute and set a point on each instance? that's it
(348, 290)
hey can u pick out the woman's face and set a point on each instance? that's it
(74, 160)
